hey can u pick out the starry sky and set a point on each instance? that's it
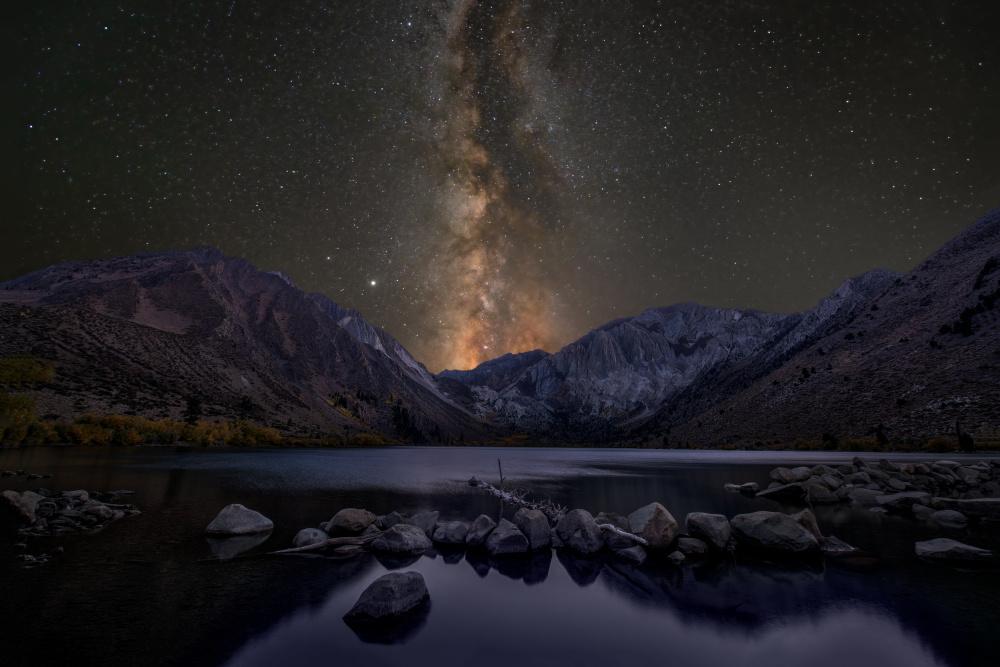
(485, 177)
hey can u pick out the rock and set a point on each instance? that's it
(25, 503)
(80, 496)
(943, 549)
(878, 510)
(676, 558)
(865, 497)
(451, 532)
(858, 479)
(900, 485)
(612, 540)
(710, 528)
(506, 539)
(654, 524)
(389, 520)
(950, 518)
(557, 542)
(887, 465)
(845, 469)
(821, 495)
(309, 536)
(749, 488)
(772, 531)
(534, 525)
(691, 546)
(236, 519)
(426, 521)
(807, 520)
(783, 476)
(802, 473)
(479, 531)
(921, 511)
(402, 539)
(967, 475)
(350, 521)
(859, 462)
(102, 512)
(948, 464)
(390, 597)
(579, 532)
(735, 488)
(228, 547)
(979, 508)
(370, 530)
(832, 481)
(903, 501)
(634, 554)
(835, 545)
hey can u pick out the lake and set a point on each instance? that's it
(151, 589)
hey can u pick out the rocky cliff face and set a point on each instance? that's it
(143, 333)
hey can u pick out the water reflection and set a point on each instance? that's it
(225, 548)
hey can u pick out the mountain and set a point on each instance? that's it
(630, 369)
(144, 333)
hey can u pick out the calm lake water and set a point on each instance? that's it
(150, 590)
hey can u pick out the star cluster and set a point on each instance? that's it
(484, 177)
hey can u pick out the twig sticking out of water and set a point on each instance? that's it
(518, 499)
(615, 529)
(332, 542)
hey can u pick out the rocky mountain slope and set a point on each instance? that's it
(144, 333)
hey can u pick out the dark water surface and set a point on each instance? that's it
(148, 591)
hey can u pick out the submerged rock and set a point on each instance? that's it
(402, 539)
(980, 508)
(711, 528)
(772, 531)
(390, 597)
(654, 524)
(236, 519)
(943, 549)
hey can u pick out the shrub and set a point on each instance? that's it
(939, 446)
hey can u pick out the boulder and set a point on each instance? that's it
(950, 518)
(943, 549)
(479, 531)
(309, 536)
(534, 525)
(735, 488)
(921, 511)
(772, 531)
(613, 540)
(387, 521)
(832, 481)
(835, 545)
(691, 546)
(425, 521)
(390, 597)
(783, 476)
(802, 473)
(793, 491)
(451, 532)
(712, 529)
(506, 539)
(236, 519)
(402, 539)
(654, 524)
(676, 558)
(819, 494)
(900, 485)
(864, 497)
(888, 466)
(903, 501)
(979, 508)
(859, 462)
(25, 503)
(749, 488)
(78, 496)
(807, 520)
(578, 531)
(370, 530)
(634, 554)
(350, 521)
(102, 512)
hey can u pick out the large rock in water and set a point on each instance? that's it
(402, 539)
(350, 521)
(944, 549)
(25, 503)
(236, 519)
(390, 597)
(654, 524)
(451, 532)
(772, 531)
(479, 531)
(578, 531)
(535, 526)
(713, 529)
(506, 539)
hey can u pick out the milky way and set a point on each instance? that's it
(482, 177)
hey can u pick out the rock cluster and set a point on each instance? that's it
(44, 513)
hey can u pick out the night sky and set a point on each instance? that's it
(487, 177)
